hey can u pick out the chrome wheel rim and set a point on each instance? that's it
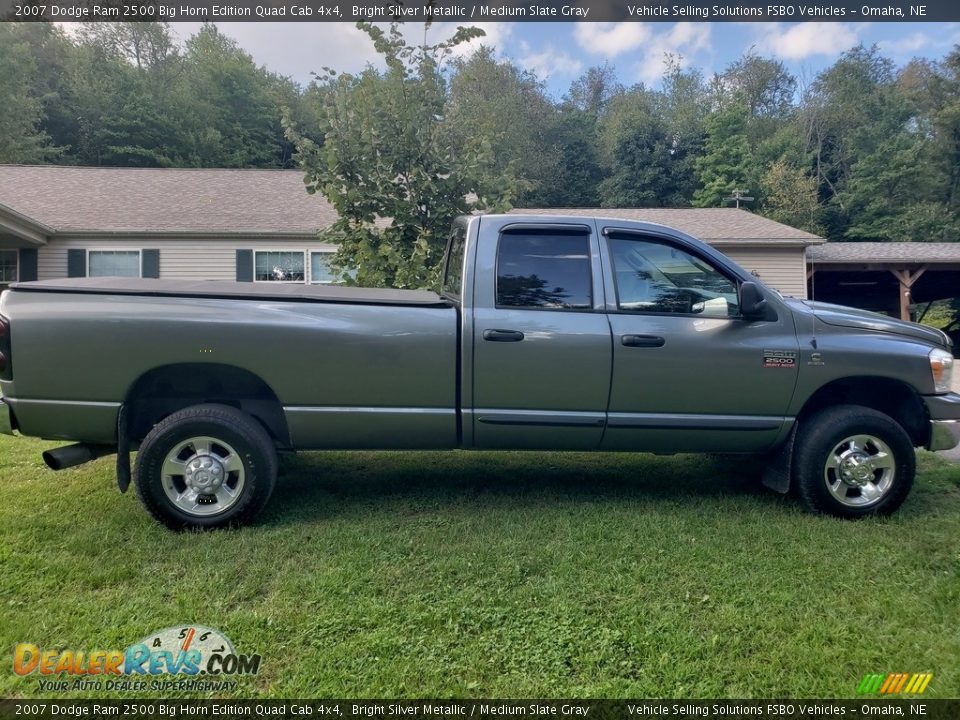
(203, 476)
(859, 471)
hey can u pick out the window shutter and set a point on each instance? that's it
(244, 265)
(28, 264)
(76, 263)
(150, 263)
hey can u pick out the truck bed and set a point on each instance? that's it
(235, 291)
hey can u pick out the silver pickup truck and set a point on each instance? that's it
(550, 333)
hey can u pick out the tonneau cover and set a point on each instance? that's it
(235, 291)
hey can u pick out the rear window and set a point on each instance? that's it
(544, 271)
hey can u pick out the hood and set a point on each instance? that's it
(841, 316)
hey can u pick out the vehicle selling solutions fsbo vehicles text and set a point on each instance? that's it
(772, 11)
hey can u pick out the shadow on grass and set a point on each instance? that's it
(331, 483)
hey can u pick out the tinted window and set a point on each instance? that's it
(453, 276)
(113, 263)
(320, 271)
(656, 277)
(283, 266)
(8, 265)
(544, 271)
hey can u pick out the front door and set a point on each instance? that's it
(689, 373)
(541, 339)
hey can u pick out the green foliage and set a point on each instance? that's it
(649, 141)
(507, 108)
(887, 195)
(391, 168)
(21, 111)
(727, 163)
(575, 171)
(791, 196)
(868, 151)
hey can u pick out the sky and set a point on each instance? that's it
(559, 52)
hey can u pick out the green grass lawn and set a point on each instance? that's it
(497, 575)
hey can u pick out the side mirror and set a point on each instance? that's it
(753, 304)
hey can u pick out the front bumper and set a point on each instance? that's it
(944, 413)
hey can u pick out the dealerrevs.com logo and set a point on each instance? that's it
(191, 657)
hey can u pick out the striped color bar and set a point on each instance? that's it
(894, 683)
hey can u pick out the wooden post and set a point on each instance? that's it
(907, 279)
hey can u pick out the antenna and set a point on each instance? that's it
(813, 306)
(738, 197)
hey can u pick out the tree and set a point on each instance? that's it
(850, 109)
(21, 109)
(644, 167)
(145, 44)
(888, 196)
(790, 196)
(593, 91)
(727, 163)
(388, 166)
(495, 102)
(765, 85)
(574, 173)
(228, 106)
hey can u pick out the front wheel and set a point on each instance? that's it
(852, 461)
(206, 466)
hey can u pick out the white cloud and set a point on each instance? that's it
(682, 40)
(496, 36)
(297, 49)
(609, 38)
(909, 44)
(547, 62)
(804, 40)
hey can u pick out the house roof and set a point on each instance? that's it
(160, 200)
(713, 225)
(884, 252)
(81, 200)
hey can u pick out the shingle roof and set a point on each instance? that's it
(224, 202)
(709, 224)
(884, 252)
(78, 199)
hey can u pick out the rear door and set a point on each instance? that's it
(541, 339)
(689, 373)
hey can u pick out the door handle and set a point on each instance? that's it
(503, 335)
(646, 341)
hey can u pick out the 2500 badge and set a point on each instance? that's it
(779, 358)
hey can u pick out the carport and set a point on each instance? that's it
(887, 277)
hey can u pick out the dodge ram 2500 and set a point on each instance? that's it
(549, 333)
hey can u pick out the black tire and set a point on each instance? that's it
(820, 435)
(255, 476)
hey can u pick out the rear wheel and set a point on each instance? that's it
(852, 461)
(206, 466)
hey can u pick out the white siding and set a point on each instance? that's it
(212, 259)
(181, 259)
(781, 268)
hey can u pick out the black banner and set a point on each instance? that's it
(481, 709)
(462, 11)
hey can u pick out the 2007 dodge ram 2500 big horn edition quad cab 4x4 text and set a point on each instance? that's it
(550, 333)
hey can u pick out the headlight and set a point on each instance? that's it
(941, 367)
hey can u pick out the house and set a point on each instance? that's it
(255, 225)
(261, 226)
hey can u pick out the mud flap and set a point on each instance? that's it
(123, 451)
(776, 475)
